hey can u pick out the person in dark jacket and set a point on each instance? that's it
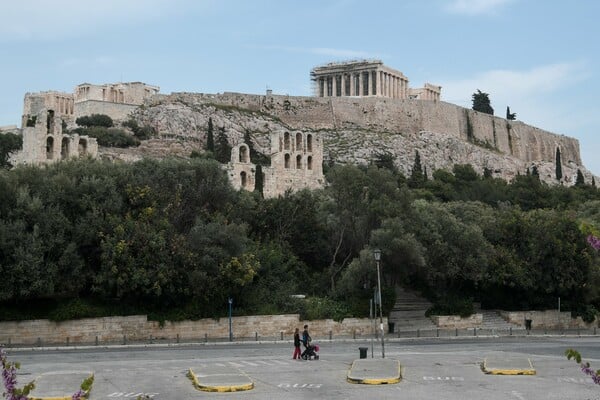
(297, 351)
(305, 340)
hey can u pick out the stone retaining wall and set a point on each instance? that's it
(137, 327)
(546, 319)
(458, 322)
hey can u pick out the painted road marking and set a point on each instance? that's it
(134, 395)
(300, 385)
(443, 378)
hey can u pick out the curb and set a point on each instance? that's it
(508, 371)
(375, 381)
(217, 388)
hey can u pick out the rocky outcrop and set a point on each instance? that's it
(356, 130)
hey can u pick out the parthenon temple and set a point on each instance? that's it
(367, 78)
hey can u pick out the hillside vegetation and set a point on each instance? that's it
(172, 239)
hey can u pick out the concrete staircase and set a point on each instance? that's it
(492, 320)
(408, 313)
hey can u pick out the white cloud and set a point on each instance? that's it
(536, 94)
(48, 20)
(476, 7)
(325, 51)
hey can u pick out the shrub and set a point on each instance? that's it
(452, 306)
(95, 120)
(111, 137)
(323, 308)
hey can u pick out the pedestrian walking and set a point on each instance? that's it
(297, 352)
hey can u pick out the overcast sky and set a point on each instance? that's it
(540, 57)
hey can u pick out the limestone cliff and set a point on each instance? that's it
(357, 129)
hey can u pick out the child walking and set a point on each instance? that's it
(297, 351)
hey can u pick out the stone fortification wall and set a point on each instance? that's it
(355, 130)
(547, 319)
(400, 116)
(117, 111)
(136, 328)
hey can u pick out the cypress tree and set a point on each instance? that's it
(259, 180)
(558, 165)
(210, 140)
(222, 147)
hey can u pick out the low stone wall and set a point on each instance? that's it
(458, 322)
(137, 328)
(550, 319)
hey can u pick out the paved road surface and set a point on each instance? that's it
(432, 369)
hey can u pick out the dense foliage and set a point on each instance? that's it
(481, 103)
(172, 239)
(9, 142)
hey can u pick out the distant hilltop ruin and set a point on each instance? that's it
(360, 111)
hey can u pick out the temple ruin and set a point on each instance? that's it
(367, 78)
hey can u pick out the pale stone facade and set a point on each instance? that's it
(122, 92)
(44, 141)
(62, 104)
(296, 163)
(367, 78)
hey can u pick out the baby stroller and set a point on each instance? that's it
(310, 353)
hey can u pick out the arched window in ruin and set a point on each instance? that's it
(82, 147)
(243, 179)
(287, 161)
(64, 148)
(309, 162)
(49, 148)
(50, 122)
(286, 141)
(244, 156)
(298, 141)
(298, 161)
(308, 142)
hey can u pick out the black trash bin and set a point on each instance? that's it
(363, 352)
(528, 324)
(391, 326)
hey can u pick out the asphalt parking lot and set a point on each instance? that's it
(429, 368)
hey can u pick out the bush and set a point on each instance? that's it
(95, 120)
(111, 137)
(452, 306)
(141, 132)
(323, 308)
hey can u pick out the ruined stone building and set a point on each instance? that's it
(296, 163)
(367, 78)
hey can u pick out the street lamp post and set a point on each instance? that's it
(377, 256)
(230, 301)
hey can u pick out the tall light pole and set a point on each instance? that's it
(377, 256)
(230, 301)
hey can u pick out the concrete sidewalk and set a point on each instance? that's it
(220, 379)
(58, 385)
(505, 365)
(375, 371)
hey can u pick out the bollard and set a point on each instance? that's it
(281, 335)
(578, 333)
(206, 338)
(474, 331)
(510, 331)
(330, 335)
(39, 342)
(124, 339)
(354, 334)
(256, 336)
(67, 341)
(178, 338)
(455, 331)
(418, 333)
(437, 332)
(96, 341)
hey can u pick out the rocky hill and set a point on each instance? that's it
(357, 130)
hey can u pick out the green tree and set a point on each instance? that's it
(95, 120)
(259, 180)
(580, 181)
(481, 102)
(9, 142)
(510, 116)
(222, 147)
(210, 140)
(417, 177)
(558, 171)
